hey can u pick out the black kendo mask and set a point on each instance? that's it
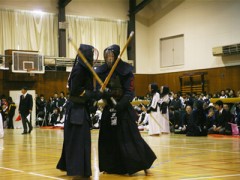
(87, 51)
(111, 54)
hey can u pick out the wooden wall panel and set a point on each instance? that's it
(141, 83)
(169, 79)
(46, 84)
(216, 79)
(55, 81)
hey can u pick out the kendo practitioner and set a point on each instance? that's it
(154, 123)
(164, 112)
(122, 150)
(76, 152)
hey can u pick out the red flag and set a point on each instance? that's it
(18, 118)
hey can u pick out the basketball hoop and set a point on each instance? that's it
(27, 62)
(30, 71)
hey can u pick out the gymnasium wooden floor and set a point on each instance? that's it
(34, 157)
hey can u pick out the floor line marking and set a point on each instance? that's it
(32, 173)
(207, 177)
(41, 175)
(211, 150)
(10, 169)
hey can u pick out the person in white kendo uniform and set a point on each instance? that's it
(154, 111)
(164, 113)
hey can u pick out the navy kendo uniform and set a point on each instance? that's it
(76, 152)
(122, 150)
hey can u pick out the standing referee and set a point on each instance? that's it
(25, 109)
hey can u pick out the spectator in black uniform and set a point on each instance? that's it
(197, 124)
(61, 103)
(222, 117)
(41, 110)
(11, 112)
(185, 120)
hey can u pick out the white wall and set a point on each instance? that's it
(142, 49)
(205, 24)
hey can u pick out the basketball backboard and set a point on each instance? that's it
(27, 62)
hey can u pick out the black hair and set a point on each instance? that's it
(219, 102)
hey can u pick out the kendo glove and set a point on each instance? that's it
(106, 94)
(93, 94)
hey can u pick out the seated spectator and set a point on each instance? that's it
(216, 95)
(238, 114)
(189, 99)
(55, 117)
(138, 109)
(208, 97)
(174, 118)
(143, 119)
(176, 103)
(210, 117)
(222, 117)
(40, 119)
(49, 109)
(40, 103)
(197, 122)
(184, 126)
(205, 107)
(238, 93)
(231, 93)
(60, 121)
(223, 94)
(4, 100)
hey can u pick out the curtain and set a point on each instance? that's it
(99, 33)
(24, 30)
(7, 34)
